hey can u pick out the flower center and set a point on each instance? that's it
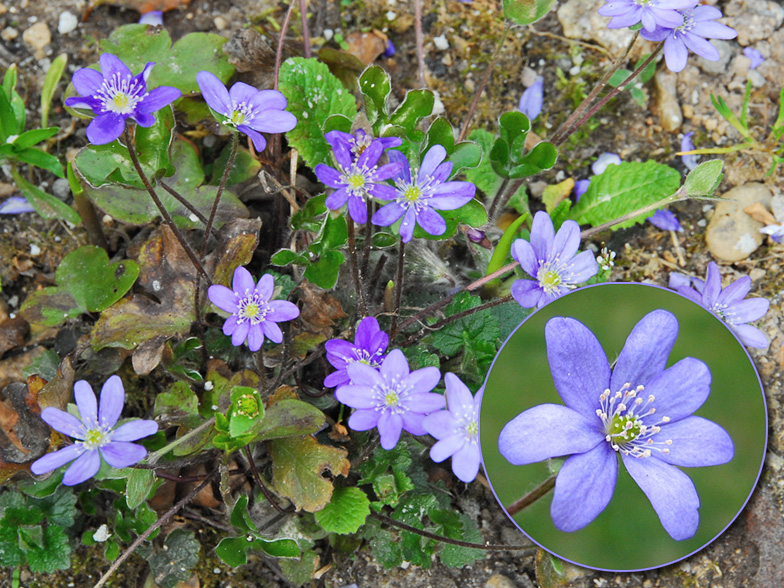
(241, 114)
(391, 397)
(121, 94)
(471, 428)
(625, 419)
(412, 193)
(252, 308)
(95, 438)
(549, 278)
(359, 144)
(356, 180)
(688, 21)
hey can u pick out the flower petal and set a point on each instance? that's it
(111, 403)
(259, 142)
(675, 53)
(340, 352)
(412, 422)
(357, 209)
(272, 331)
(390, 425)
(452, 195)
(395, 367)
(671, 492)
(387, 171)
(751, 336)
(567, 240)
(405, 170)
(158, 98)
(105, 128)
(230, 325)
(214, 92)
(696, 442)
(240, 334)
(111, 65)
(364, 375)
(680, 389)
(135, 430)
(406, 229)
(465, 463)
(366, 329)
(84, 468)
(87, 81)
(356, 396)
(63, 422)
(241, 93)
(542, 235)
(329, 176)
(432, 222)
(274, 121)
(524, 254)
(268, 100)
(121, 454)
(243, 281)
(52, 461)
(363, 420)
(223, 298)
(578, 364)
(441, 424)
(735, 292)
(713, 30)
(143, 120)
(582, 267)
(527, 293)
(256, 337)
(282, 310)
(388, 214)
(746, 311)
(432, 159)
(459, 399)
(700, 46)
(426, 403)
(545, 431)
(338, 378)
(584, 487)
(337, 199)
(446, 447)
(86, 403)
(645, 352)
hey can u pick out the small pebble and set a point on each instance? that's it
(574, 70)
(441, 43)
(61, 188)
(220, 23)
(37, 37)
(68, 22)
(35, 250)
(9, 34)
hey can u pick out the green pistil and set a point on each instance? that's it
(237, 117)
(121, 100)
(472, 429)
(356, 181)
(391, 398)
(550, 281)
(412, 193)
(624, 429)
(95, 438)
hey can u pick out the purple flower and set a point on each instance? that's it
(755, 57)
(665, 220)
(419, 193)
(690, 161)
(95, 433)
(604, 161)
(678, 279)
(390, 398)
(652, 13)
(637, 409)
(580, 188)
(551, 259)
(457, 429)
(247, 109)
(697, 25)
(357, 175)
(729, 305)
(774, 231)
(153, 18)
(15, 205)
(532, 99)
(253, 314)
(115, 95)
(390, 50)
(370, 343)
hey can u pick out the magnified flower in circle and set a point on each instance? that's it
(114, 95)
(638, 410)
(95, 433)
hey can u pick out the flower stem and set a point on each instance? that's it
(368, 239)
(564, 129)
(154, 457)
(354, 263)
(420, 43)
(677, 197)
(87, 212)
(181, 199)
(154, 527)
(531, 497)
(487, 547)
(483, 84)
(279, 53)
(164, 213)
(398, 289)
(267, 494)
(303, 13)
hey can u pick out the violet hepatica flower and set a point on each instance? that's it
(392, 398)
(115, 95)
(651, 13)
(357, 175)
(153, 18)
(580, 188)
(665, 220)
(636, 409)
(253, 314)
(729, 305)
(370, 343)
(755, 57)
(532, 99)
(690, 161)
(696, 26)
(420, 193)
(15, 205)
(678, 279)
(604, 161)
(552, 260)
(247, 109)
(95, 433)
(457, 429)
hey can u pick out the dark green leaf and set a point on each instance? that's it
(245, 167)
(441, 133)
(35, 136)
(7, 118)
(513, 125)
(467, 155)
(174, 563)
(45, 204)
(54, 555)
(499, 157)
(59, 508)
(484, 176)
(324, 272)
(140, 485)
(287, 257)
(39, 158)
(337, 122)
(417, 105)
(289, 417)
(525, 12)
(53, 77)
(542, 157)
(465, 332)
(375, 86)
(346, 512)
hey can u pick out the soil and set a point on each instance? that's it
(750, 553)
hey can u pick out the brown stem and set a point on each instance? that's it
(164, 213)
(594, 93)
(368, 240)
(90, 219)
(154, 527)
(398, 289)
(354, 263)
(267, 494)
(487, 547)
(182, 200)
(279, 52)
(303, 13)
(531, 497)
(420, 43)
(482, 85)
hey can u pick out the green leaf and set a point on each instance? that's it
(287, 257)
(245, 167)
(501, 251)
(704, 179)
(7, 118)
(59, 508)
(314, 95)
(174, 563)
(457, 526)
(375, 87)
(45, 365)
(622, 189)
(53, 77)
(417, 105)
(139, 486)
(499, 157)
(324, 272)
(334, 233)
(466, 332)
(337, 122)
(246, 410)
(45, 204)
(472, 213)
(38, 158)
(484, 176)
(542, 157)
(54, 555)
(35, 136)
(525, 12)
(441, 133)
(513, 125)
(179, 404)
(289, 418)
(136, 45)
(234, 550)
(466, 156)
(346, 511)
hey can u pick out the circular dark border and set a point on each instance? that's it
(751, 491)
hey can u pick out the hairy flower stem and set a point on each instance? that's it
(483, 84)
(279, 53)
(450, 319)
(164, 213)
(505, 197)
(368, 239)
(354, 262)
(303, 13)
(266, 491)
(154, 457)
(154, 527)
(181, 199)
(420, 43)
(398, 289)
(487, 547)
(534, 495)
(563, 131)
(612, 94)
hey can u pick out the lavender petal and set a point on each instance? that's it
(120, 454)
(465, 462)
(112, 401)
(255, 337)
(105, 128)
(690, 437)
(84, 468)
(645, 353)
(242, 281)
(86, 81)
(272, 331)
(63, 422)
(52, 461)
(86, 403)
(135, 430)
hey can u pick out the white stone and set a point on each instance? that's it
(67, 23)
(441, 43)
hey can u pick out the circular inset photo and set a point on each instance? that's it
(623, 427)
